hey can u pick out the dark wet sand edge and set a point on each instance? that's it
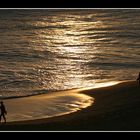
(116, 108)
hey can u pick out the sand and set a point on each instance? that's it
(46, 105)
(115, 108)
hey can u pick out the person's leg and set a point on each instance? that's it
(0, 118)
(4, 118)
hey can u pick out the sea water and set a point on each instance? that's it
(43, 50)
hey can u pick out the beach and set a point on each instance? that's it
(115, 108)
(70, 69)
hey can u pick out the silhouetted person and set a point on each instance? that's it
(3, 111)
(138, 79)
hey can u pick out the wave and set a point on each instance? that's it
(114, 65)
(43, 50)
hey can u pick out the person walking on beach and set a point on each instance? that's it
(3, 111)
(138, 79)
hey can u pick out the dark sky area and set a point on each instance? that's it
(69, 4)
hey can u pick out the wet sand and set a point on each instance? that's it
(115, 108)
(46, 105)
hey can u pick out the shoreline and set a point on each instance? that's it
(49, 105)
(115, 108)
(45, 105)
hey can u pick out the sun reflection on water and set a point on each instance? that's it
(64, 49)
(71, 45)
(68, 42)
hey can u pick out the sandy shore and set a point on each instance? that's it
(46, 105)
(115, 108)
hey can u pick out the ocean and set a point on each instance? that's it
(44, 50)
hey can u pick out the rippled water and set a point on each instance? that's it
(45, 50)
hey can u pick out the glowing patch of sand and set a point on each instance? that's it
(46, 106)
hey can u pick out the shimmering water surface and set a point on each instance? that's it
(45, 50)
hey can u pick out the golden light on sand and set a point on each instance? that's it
(100, 85)
(47, 106)
(107, 84)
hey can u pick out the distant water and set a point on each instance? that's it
(50, 50)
